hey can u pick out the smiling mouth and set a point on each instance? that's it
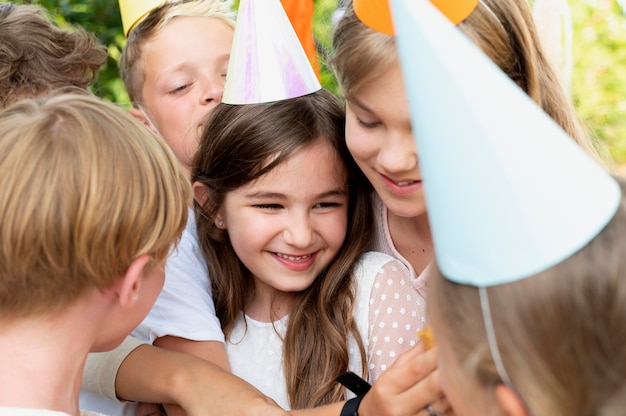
(293, 258)
(405, 183)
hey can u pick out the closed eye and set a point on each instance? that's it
(323, 205)
(268, 206)
(179, 89)
(368, 125)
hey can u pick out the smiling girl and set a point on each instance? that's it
(284, 218)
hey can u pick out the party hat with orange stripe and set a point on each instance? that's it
(377, 14)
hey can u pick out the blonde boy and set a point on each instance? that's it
(91, 204)
(174, 68)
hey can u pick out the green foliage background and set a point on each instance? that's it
(598, 82)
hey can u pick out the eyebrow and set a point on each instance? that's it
(276, 195)
(360, 104)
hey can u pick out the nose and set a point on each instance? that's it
(299, 231)
(398, 153)
(213, 90)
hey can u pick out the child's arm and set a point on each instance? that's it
(155, 375)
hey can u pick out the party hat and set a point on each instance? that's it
(509, 193)
(133, 11)
(267, 62)
(377, 15)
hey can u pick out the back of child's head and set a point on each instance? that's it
(560, 333)
(131, 69)
(37, 57)
(84, 190)
(503, 29)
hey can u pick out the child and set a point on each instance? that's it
(560, 335)
(91, 205)
(379, 133)
(38, 57)
(528, 307)
(174, 67)
(283, 216)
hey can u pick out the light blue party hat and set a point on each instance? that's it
(509, 193)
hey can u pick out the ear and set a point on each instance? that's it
(510, 401)
(141, 117)
(130, 287)
(202, 195)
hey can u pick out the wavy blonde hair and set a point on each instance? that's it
(84, 190)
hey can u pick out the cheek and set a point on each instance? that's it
(360, 142)
(335, 228)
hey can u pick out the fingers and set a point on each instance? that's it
(407, 387)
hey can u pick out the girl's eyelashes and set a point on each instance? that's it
(268, 206)
(323, 205)
(368, 125)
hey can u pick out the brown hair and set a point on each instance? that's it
(235, 147)
(37, 57)
(503, 29)
(561, 333)
(84, 190)
(131, 69)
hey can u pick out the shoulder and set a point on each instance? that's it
(376, 262)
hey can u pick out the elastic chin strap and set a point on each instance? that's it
(152, 125)
(491, 337)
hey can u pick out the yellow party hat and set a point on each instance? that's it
(133, 11)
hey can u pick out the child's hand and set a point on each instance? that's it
(408, 387)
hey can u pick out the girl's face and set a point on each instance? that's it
(289, 224)
(380, 138)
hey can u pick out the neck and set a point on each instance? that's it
(42, 361)
(269, 304)
(412, 238)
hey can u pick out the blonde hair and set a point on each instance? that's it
(38, 57)
(84, 190)
(503, 29)
(131, 69)
(561, 333)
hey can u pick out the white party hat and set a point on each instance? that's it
(509, 193)
(267, 61)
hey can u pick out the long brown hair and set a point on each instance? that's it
(235, 147)
(561, 334)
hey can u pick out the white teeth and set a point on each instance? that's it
(406, 183)
(293, 258)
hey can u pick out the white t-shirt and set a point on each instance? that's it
(388, 312)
